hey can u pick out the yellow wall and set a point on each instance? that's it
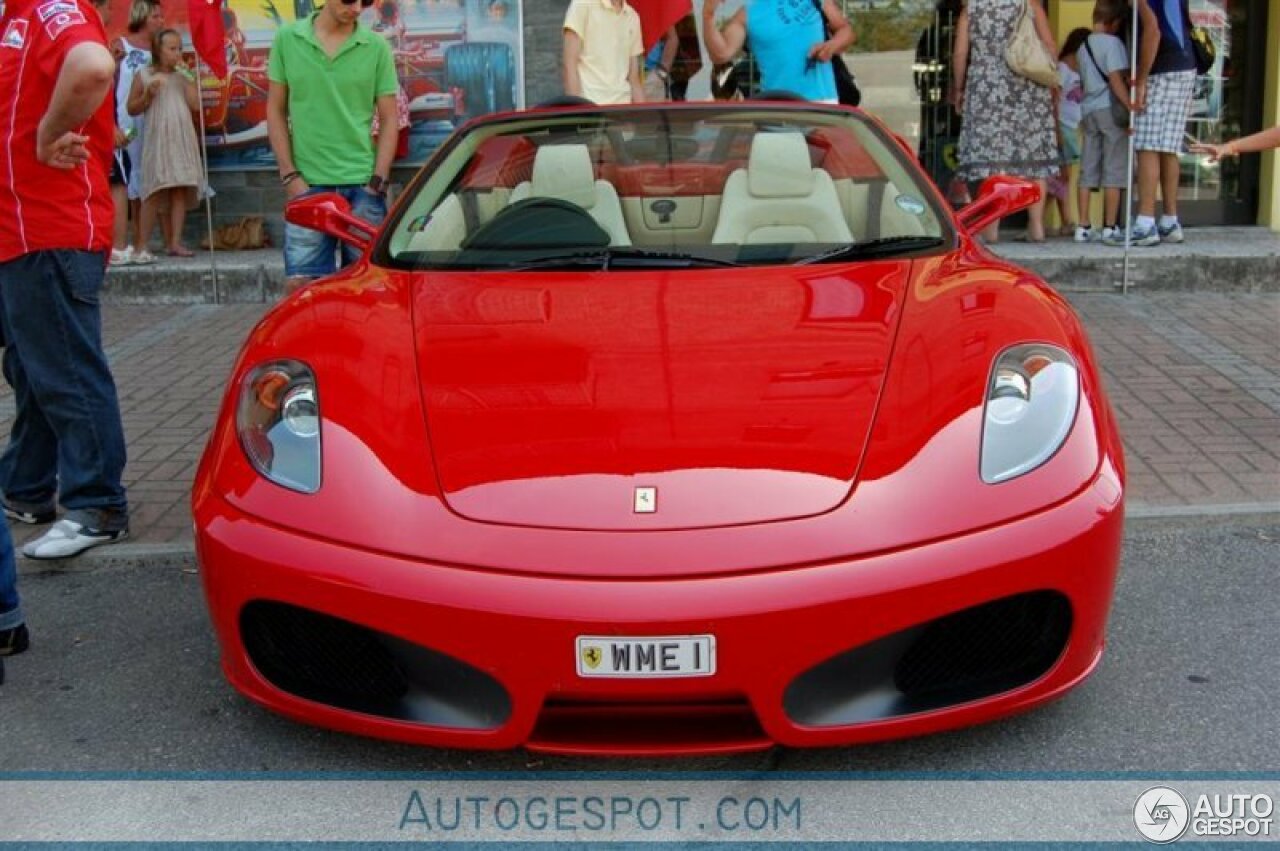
(1066, 15)
(1269, 202)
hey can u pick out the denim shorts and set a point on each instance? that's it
(311, 254)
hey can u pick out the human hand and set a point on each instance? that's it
(821, 52)
(1215, 152)
(1139, 97)
(295, 187)
(121, 138)
(154, 87)
(66, 152)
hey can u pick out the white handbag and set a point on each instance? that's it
(1026, 53)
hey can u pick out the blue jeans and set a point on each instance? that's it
(67, 438)
(309, 253)
(10, 611)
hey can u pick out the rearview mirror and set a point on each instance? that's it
(329, 213)
(1000, 195)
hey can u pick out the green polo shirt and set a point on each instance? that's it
(332, 100)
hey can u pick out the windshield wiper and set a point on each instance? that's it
(665, 259)
(882, 247)
(591, 259)
(623, 257)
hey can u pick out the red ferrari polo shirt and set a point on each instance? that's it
(42, 207)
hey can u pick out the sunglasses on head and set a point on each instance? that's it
(364, 4)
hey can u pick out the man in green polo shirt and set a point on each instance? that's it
(328, 75)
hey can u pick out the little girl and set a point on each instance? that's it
(171, 172)
(1071, 94)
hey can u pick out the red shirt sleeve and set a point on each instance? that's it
(60, 25)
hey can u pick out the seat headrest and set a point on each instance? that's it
(779, 166)
(564, 171)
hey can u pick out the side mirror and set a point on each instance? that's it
(329, 213)
(999, 196)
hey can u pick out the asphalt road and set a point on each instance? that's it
(123, 677)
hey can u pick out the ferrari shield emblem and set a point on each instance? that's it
(646, 500)
(591, 655)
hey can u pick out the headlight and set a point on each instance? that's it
(1031, 403)
(278, 420)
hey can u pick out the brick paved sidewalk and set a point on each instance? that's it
(1195, 379)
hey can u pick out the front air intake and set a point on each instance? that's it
(967, 655)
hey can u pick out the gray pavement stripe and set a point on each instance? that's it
(1259, 381)
(1140, 511)
(137, 343)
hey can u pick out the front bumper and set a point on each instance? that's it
(771, 627)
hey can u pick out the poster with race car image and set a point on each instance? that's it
(454, 58)
(1206, 100)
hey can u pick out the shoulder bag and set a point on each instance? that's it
(847, 91)
(1119, 111)
(1203, 48)
(1026, 54)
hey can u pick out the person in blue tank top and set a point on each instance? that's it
(788, 39)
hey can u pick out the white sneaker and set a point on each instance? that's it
(68, 538)
(1172, 233)
(121, 256)
(1084, 233)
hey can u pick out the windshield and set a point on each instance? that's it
(667, 187)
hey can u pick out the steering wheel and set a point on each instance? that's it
(538, 223)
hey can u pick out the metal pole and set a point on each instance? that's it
(1128, 197)
(208, 203)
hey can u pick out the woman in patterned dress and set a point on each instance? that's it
(1008, 124)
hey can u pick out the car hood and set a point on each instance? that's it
(653, 400)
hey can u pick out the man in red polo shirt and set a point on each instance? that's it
(56, 133)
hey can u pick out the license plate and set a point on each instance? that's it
(647, 656)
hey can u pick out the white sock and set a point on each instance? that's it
(1167, 222)
(1144, 222)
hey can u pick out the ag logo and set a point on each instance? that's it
(1161, 815)
(591, 655)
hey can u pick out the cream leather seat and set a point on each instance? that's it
(779, 197)
(564, 172)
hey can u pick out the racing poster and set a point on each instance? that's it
(454, 58)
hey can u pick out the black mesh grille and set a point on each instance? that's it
(987, 648)
(319, 657)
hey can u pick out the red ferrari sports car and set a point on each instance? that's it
(671, 428)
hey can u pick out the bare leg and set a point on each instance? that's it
(177, 216)
(1148, 178)
(147, 220)
(1035, 216)
(1110, 205)
(1169, 178)
(166, 226)
(1082, 202)
(135, 212)
(120, 225)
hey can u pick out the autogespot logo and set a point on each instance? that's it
(1161, 814)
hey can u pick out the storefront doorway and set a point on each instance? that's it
(903, 64)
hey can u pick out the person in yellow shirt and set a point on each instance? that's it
(602, 51)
